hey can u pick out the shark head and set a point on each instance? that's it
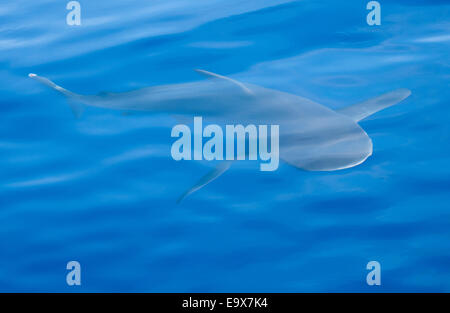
(338, 145)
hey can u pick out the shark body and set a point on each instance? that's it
(313, 137)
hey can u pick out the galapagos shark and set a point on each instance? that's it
(312, 136)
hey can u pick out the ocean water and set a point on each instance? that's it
(102, 189)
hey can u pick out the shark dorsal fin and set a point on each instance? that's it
(235, 82)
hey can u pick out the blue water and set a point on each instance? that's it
(102, 189)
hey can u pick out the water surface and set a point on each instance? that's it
(102, 189)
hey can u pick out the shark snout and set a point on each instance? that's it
(344, 152)
(334, 148)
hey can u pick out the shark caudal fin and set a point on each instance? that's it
(72, 98)
(364, 109)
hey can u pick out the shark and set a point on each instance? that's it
(312, 136)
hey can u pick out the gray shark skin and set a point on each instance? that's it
(312, 136)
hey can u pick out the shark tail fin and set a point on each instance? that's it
(73, 98)
(364, 109)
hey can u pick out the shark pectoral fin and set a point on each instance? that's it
(364, 109)
(235, 82)
(209, 177)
